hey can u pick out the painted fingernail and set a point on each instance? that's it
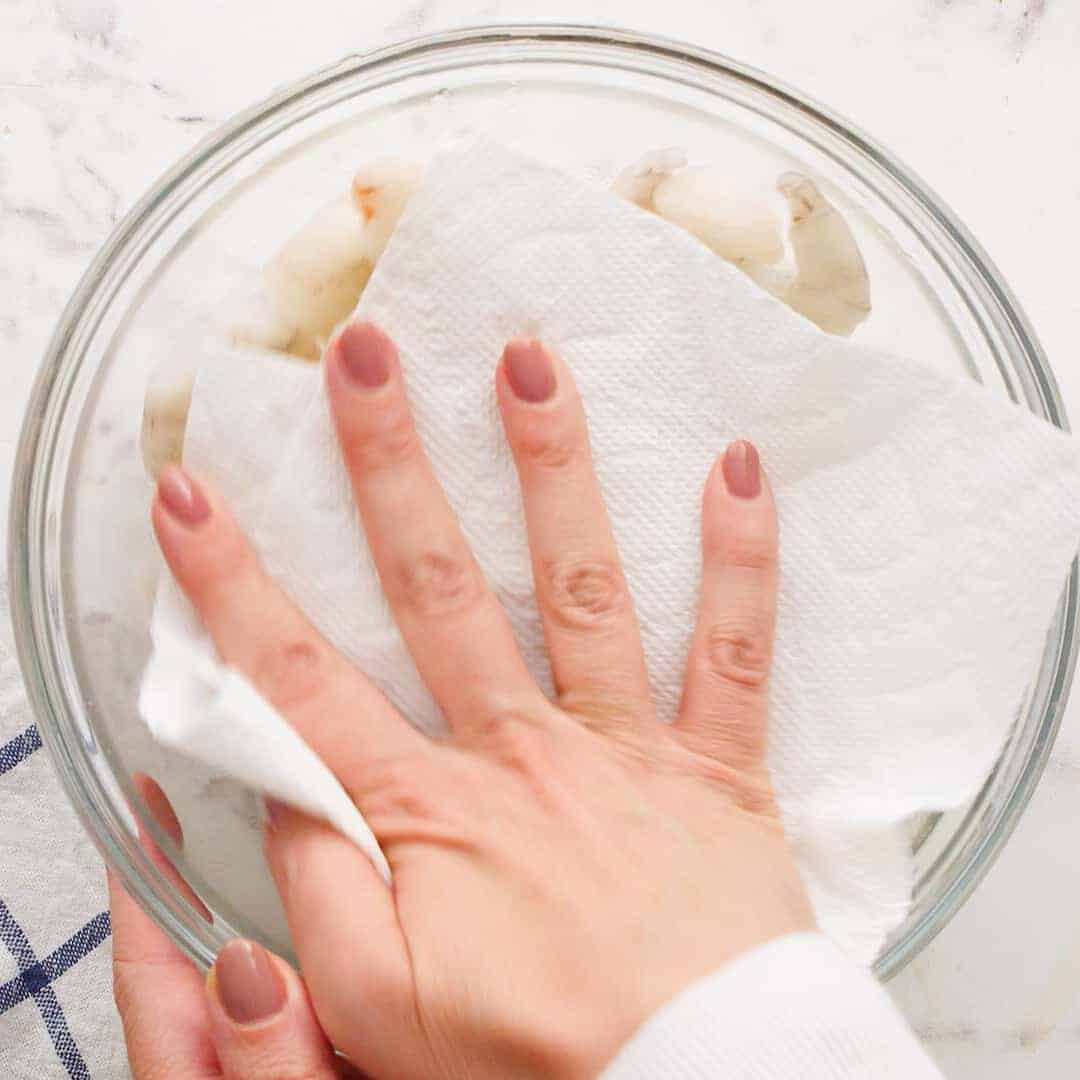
(275, 811)
(366, 354)
(249, 985)
(157, 802)
(182, 497)
(529, 370)
(742, 470)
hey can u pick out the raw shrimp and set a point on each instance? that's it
(829, 284)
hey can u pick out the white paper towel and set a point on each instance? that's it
(927, 526)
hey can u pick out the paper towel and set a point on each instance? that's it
(926, 526)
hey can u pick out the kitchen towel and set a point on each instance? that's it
(927, 526)
(57, 1018)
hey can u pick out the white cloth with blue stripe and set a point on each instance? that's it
(57, 1018)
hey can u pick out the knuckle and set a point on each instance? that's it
(514, 741)
(210, 570)
(122, 986)
(753, 549)
(400, 788)
(730, 741)
(548, 445)
(748, 542)
(742, 779)
(737, 651)
(290, 673)
(583, 594)
(386, 437)
(438, 584)
(602, 705)
(263, 1055)
(754, 794)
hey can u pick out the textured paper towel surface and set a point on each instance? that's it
(927, 526)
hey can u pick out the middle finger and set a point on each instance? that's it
(455, 628)
(590, 627)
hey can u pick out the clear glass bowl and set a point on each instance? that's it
(83, 559)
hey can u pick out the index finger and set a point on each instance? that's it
(258, 630)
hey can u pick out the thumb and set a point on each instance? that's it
(261, 1019)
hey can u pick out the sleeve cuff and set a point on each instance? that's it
(794, 1007)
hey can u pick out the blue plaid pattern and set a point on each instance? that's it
(19, 749)
(36, 977)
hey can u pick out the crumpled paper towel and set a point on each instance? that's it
(927, 526)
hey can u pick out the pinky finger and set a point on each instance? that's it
(725, 696)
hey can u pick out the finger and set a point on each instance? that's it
(725, 696)
(588, 616)
(161, 810)
(348, 940)
(259, 631)
(261, 1020)
(454, 626)
(158, 992)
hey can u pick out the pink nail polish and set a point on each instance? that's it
(157, 802)
(742, 470)
(274, 811)
(529, 370)
(366, 354)
(249, 985)
(182, 497)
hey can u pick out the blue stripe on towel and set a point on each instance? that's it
(36, 977)
(19, 748)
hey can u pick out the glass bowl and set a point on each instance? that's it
(83, 559)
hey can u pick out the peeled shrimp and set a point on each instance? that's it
(728, 217)
(829, 284)
(316, 279)
(165, 411)
(306, 289)
(637, 182)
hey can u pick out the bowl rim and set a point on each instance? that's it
(33, 462)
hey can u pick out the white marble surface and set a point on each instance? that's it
(97, 97)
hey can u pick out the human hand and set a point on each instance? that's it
(251, 1019)
(560, 868)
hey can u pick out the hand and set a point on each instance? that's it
(250, 1020)
(561, 868)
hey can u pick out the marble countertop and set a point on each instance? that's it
(97, 97)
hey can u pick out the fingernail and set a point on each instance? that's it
(529, 370)
(157, 802)
(249, 985)
(274, 811)
(742, 470)
(366, 354)
(182, 497)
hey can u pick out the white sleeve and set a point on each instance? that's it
(792, 1008)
